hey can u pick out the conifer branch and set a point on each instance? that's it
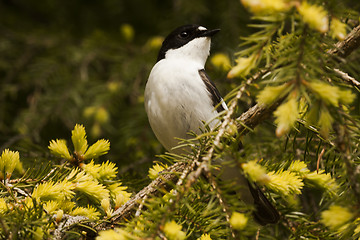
(255, 115)
(343, 49)
(248, 120)
(160, 182)
(260, 112)
(348, 45)
(353, 172)
(67, 223)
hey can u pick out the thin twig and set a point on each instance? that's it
(141, 205)
(186, 171)
(319, 159)
(221, 201)
(345, 77)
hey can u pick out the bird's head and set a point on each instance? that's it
(191, 42)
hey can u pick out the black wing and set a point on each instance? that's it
(215, 94)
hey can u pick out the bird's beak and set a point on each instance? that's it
(209, 33)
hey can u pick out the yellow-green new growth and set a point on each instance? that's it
(8, 161)
(116, 234)
(325, 122)
(336, 216)
(92, 169)
(67, 205)
(169, 195)
(322, 180)
(102, 115)
(53, 191)
(119, 194)
(110, 234)
(76, 175)
(173, 231)
(221, 61)
(58, 147)
(93, 190)
(104, 171)
(270, 94)
(314, 16)
(204, 237)
(78, 137)
(108, 170)
(121, 199)
(337, 29)
(346, 96)
(38, 234)
(155, 170)
(106, 206)
(299, 167)
(255, 172)
(154, 43)
(286, 115)
(28, 202)
(243, 67)
(89, 212)
(3, 206)
(127, 31)
(87, 185)
(59, 215)
(266, 7)
(99, 148)
(51, 206)
(285, 182)
(331, 94)
(238, 221)
(357, 229)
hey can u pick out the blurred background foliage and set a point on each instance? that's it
(68, 62)
(87, 62)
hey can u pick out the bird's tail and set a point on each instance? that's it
(265, 212)
(250, 193)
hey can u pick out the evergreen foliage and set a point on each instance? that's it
(293, 103)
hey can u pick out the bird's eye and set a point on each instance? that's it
(184, 34)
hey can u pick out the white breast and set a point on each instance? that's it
(177, 101)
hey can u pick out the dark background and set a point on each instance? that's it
(68, 62)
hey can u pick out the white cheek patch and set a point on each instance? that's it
(201, 28)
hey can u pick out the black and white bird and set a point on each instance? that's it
(180, 97)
